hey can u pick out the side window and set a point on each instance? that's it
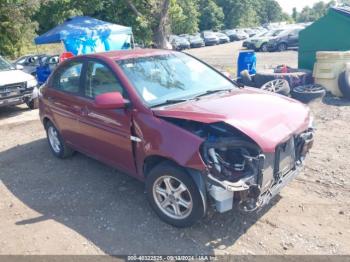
(68, 79)
(100, 80)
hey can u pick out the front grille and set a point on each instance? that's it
(12, 90)
(284, 159)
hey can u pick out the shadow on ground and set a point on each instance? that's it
(107, 207)
(12, 111)
(335, 101)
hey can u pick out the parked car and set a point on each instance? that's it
(235, 34)
(16, 86)
(222, 38)
(241, 34)
(28, 62)
(289, 38)
(180, 126)
(196, 41)
(250, 32)
(179, 43)
(210, 38)
(259, 43)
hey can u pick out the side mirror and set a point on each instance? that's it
(19, 67)
(113, 100)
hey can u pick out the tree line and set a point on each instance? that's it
(151, 20)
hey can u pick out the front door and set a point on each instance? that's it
(106, 134)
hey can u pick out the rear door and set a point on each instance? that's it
(106, 134)
(62, 98)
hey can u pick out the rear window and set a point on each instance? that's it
(68, 78)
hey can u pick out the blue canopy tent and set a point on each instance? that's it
(85, 35)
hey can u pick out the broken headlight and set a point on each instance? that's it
(231, 158)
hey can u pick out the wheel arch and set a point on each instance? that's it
(46, 120)
(283, 43)
(154, 160)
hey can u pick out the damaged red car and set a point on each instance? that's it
(189, 132)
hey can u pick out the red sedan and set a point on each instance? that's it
(176, 123)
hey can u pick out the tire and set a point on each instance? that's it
(282, 47)
(297, 77)
(176, 176)
(279, 86)
(344, 85)
(308, 93)
(33, 103)
(264, 48)
(59, 147)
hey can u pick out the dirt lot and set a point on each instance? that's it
(79, 206)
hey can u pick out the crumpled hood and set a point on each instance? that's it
(14, 76)
(268, 119)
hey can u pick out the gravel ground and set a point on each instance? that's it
(79, 206)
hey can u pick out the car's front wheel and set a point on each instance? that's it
(56, 143)
(282, 47)
(33, 103)
(174, 195)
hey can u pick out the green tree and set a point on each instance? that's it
(212, 16)
(295, 14)
(16, 28)
(184, 16)
(54, 12)
(246, 13)
(318, 10)
(155, 15)
(269, 11)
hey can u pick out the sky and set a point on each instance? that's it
(287, 5)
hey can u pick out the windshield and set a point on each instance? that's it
(175, 76)
(276, 32)
(273, 32)
(289, 31)
(4, 65)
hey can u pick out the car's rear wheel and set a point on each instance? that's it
(264, 48)
(56, 143)
(282, 47)
(174, 196)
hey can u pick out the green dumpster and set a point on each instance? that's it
(329, 33)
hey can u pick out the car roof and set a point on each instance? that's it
(129, 54)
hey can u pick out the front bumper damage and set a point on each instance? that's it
(258, 177)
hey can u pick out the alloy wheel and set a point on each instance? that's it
(53, 139)
(172, 197)
(274, 86)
